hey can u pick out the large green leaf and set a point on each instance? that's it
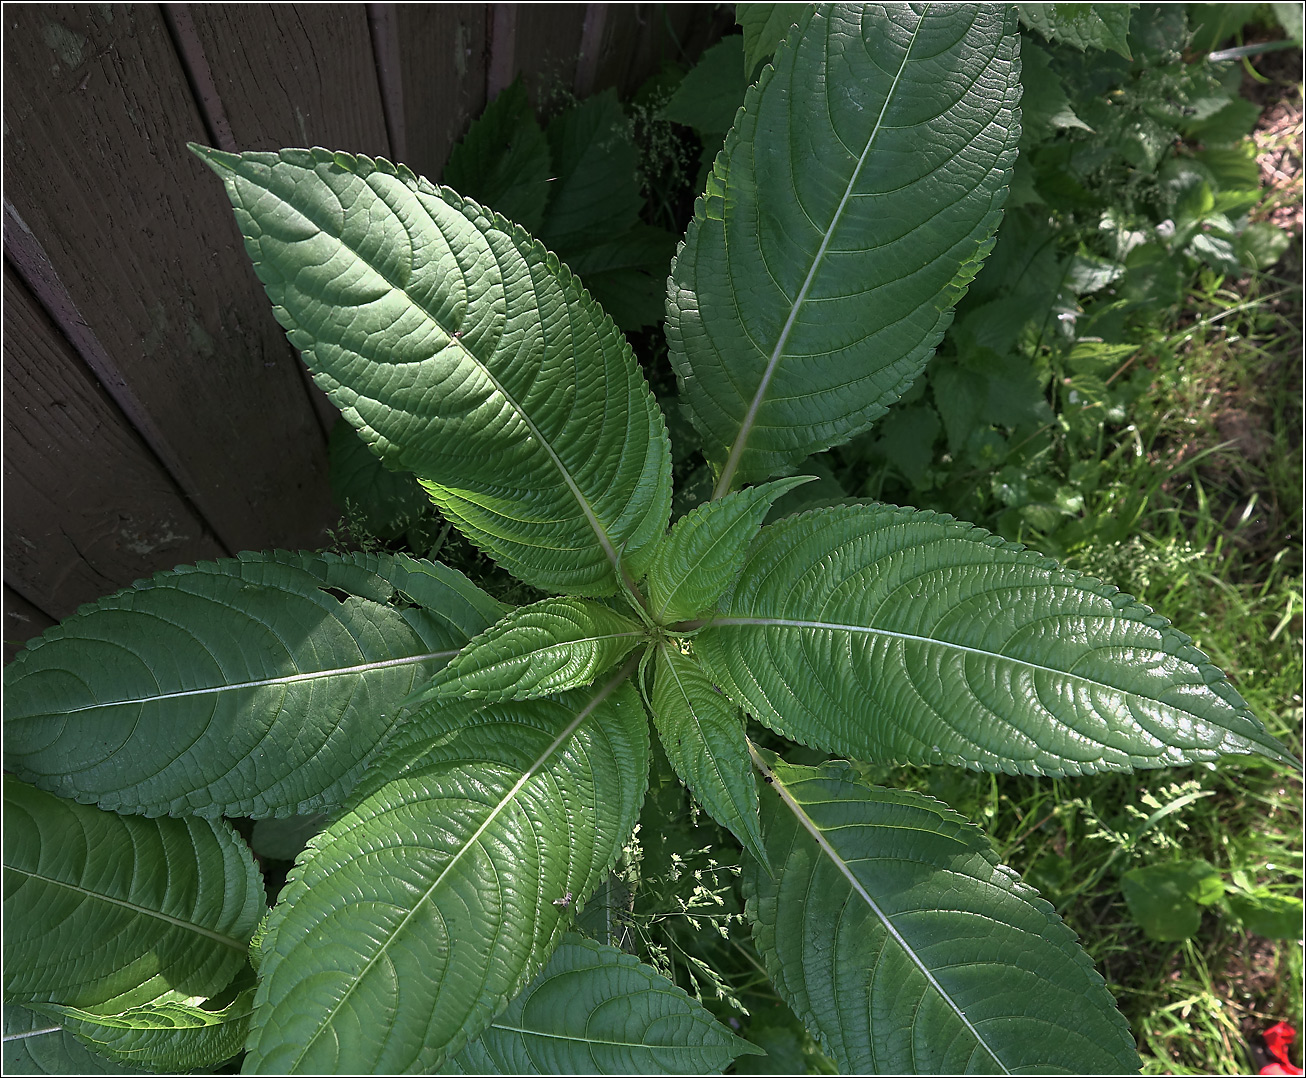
(37, 1044)
(110, 912)
(547, 647)
(893, 932)
(854, 200)
(891, 634)
(765, 26)
(171, 1037)
(703, 736)
(415, 918)
(250, 687)
(466, 353)
(597, 1010)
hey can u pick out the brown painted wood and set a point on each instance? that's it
(87, 507)
(442, 56)
(295, 75)
(22, 622)
(139, 233)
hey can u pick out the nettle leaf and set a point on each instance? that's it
(503, 161)
(593, 194)
(597, 1010)
(896, 635)
(464, 352)
(893, 932)
(706, 548)
(703, 737)
(855, 199)
(37, 1044)
(256, 686)
(627, 274)
(164, 1036)
(547, 647)
(415, 918)
(111, 912)
(709, 96)
(765, 26)
(1085, 26)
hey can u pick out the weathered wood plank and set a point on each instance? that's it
(133, 227)
(22, 622)
(442, 60)
(88, 508)
(295, 75)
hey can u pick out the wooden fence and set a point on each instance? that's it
(153, 412)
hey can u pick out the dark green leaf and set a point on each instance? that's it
(893, 932)
(710, 95)
(257, 686)
(111, 912)
(503, 161)
(463, 352)
(856, 198)
(419, 914)
(891, 634)
(597, 1010)
(386, 503)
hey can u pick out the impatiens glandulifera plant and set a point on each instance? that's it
(479, 769)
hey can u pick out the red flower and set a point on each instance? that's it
(1277, 1040)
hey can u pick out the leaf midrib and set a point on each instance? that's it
(286, 679)
(727, 476)
(191, 926)
(605, 542)
(813, 829)
(795, 623)
(471, 842)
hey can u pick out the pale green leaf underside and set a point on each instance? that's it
(466, 353)
(170, 1037)
(892, 931)
(703, 737)
(547, 647)
(597, 1010)
(705, 549)
(36, 1044)
(415, 918)
(111, 912)
(855, 198)
(895, 635)
(256, 686)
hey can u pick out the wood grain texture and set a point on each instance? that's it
(547, 48)
(98, 112)
(88, 507)
(295, 75)
(443, 65)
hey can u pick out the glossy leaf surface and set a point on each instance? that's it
(256, 686)
(111, 912)
(765, 26)
(703, 736)
(855, 199)
(416, 917)
(893, 932)
(547, 647)
(466, 353)
(597, 1010)
(896, 635)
